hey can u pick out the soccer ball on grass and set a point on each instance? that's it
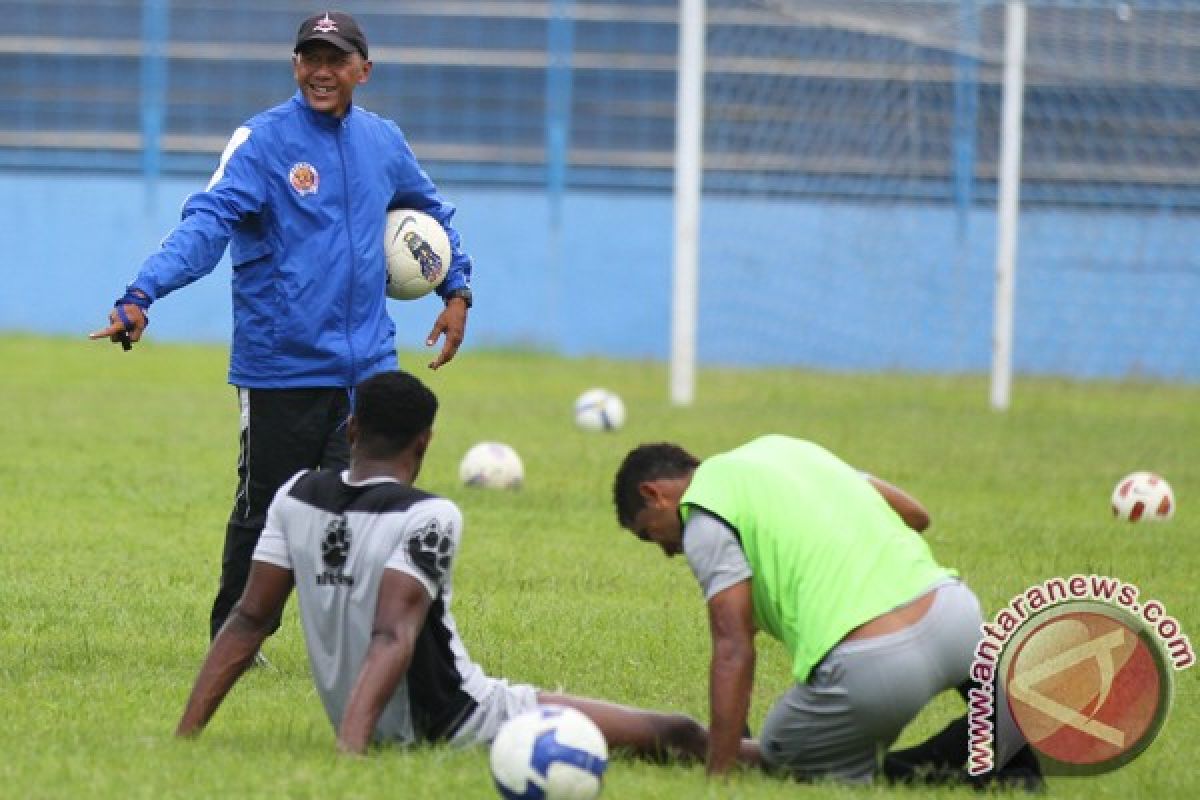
(492, 465)
(599, 410)
(1143, 496)
(549, 753)
(417, 251)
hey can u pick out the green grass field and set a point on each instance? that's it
(119, 478)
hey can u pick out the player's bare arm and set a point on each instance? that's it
(908, 507)
(233, 650)
(731, 674)
(451, 323)
(399, 615)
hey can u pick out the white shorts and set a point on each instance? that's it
(502, 702)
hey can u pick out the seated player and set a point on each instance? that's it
(371, 558)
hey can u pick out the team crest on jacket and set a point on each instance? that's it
(304, 178)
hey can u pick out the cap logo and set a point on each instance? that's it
(304, 178)
(325, 25)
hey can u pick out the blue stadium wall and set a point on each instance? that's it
(602, 285)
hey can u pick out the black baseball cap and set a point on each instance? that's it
(336, 27)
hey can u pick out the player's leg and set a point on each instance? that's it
(335, 454)
(282, 432)
(235, 570)
(647, 734)
(240, 537)
(818, 730)
(942, 758)
(859, 698)
(654, 735)
(938, 759)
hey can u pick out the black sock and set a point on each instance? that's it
(942, 751)
(942, 758)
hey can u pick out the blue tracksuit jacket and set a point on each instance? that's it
(300, 198)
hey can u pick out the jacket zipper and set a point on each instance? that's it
(353, 258)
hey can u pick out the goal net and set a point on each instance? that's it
(850, 181)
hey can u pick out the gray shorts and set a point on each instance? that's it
(862, 694)
(500, 703)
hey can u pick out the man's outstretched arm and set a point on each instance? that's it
(908, 507)
(250, 622)
(731, 673)
(399, 615)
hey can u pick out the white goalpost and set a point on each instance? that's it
(1008, 203)
(689, 171)
(867, 171)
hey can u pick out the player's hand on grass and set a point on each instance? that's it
(351, 750)
(452, 323)
(127, 320)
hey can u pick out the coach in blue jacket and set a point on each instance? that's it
(300, 197)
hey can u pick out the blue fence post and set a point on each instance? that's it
(560, 46)
(963, 135)
(155, 29)
(966, 111)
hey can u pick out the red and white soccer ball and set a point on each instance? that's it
(417, 251)
(1143, 496)
(550, 753)
(492, 465)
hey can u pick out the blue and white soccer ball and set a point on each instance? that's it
(492, 465)
(549, 753)
(599, 410)
(417, 252)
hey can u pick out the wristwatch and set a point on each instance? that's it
(462, 292)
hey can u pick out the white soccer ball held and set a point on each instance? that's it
(417, 252)
(492, 465)
(599, 410)
(1143, 497)
(552, 753)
